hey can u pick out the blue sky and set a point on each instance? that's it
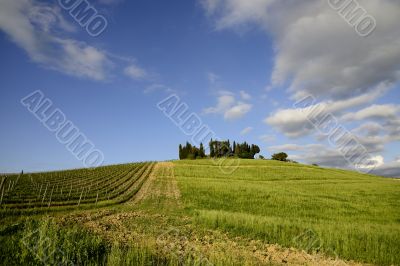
(239, 65)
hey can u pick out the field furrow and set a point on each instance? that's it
(82, 187)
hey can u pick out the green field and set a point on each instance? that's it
(191, 213)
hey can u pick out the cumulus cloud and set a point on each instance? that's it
(236, 13)
(229, 107)
(41, 31)
(267, 138)
(245, 96)
(158, 87)
(373, 143)
(374, 111)
(384, 129)
(135, 72)
(224, 102)
(325, 156)
(294, 122)
(81, 60)
(313, 154)
(291, 147)
(391, 169)
(237, 111)
(33, 26)
(379, 162)
(246, 131)
(375, 136)
(317, 52)
(369, 129)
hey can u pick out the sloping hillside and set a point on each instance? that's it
(342, 213)
(201, 212)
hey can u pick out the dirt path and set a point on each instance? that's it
(155, 231)
(167, 178)
(145, 190)
(160, 183)
(148, 224)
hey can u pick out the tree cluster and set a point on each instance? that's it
(219, 149)
(191, 152)
(279, 157)
(225, 149)
(282, 156)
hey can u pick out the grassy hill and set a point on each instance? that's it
(193, 212)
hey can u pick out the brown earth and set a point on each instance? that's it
(162, 229)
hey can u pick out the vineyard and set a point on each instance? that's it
(189, 212)
(99, 186)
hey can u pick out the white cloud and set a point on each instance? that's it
(158, 87)
(268, 88)
(379, 161)
(33, 26)
(314, 154)
(229, 107)
(293, 122)
(391, 169)
(41, 31)
(135, 72)
(237, 111)
(385, 128)
(267, 138)
(317, 53)
(370, 129)
(324, 156)
(224, 102)
(316, 50)
(245, 96)
(286, 147)
(81, 60)
(246, 131)
(235, 13)
(374, 111)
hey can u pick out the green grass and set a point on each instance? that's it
(43, 242)
(351, 215)
(226, 219)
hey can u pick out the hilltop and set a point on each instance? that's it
(224, 211)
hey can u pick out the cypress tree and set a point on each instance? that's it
(237, 149)
(212, 151)
(180, 152)
(202, 153)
